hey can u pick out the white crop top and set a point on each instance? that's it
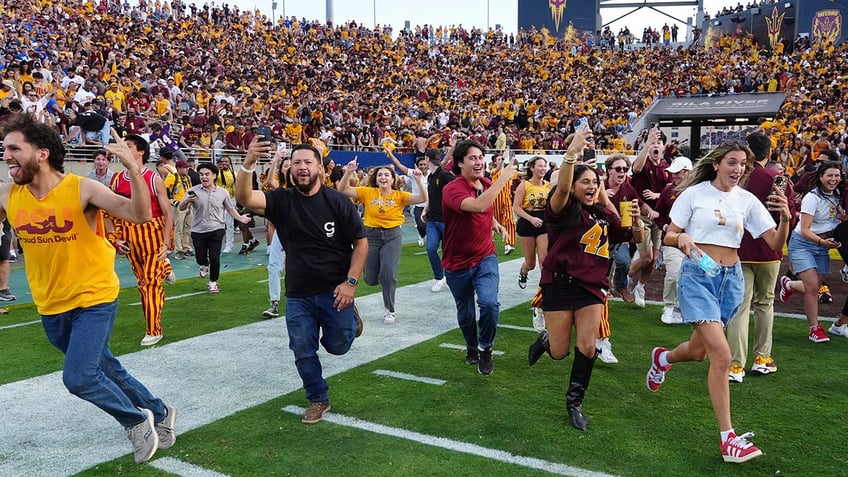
(713, 217)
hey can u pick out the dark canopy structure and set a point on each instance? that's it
(730, 110)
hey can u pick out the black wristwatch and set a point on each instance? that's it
(352, 281)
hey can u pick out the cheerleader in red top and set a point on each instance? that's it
(574, 274)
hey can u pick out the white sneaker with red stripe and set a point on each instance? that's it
(737, 449)
(656, 375)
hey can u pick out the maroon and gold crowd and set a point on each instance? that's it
(216, 73)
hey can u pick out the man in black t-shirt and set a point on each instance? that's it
(437, 179)
(326, 248)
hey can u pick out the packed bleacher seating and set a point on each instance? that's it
(216, 73)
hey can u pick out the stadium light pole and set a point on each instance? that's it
(375, 13)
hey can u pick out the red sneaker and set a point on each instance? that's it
(785, 292)
(817, 334)
(656, 375)
(737, 449)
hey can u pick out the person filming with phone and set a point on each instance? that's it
(209, 203)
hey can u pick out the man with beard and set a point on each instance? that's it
(58, 219)
(326, 248)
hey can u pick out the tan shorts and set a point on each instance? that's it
(651, 237)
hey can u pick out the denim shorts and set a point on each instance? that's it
(805, 255)
(703, 298)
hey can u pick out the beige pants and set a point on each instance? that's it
(760, 280)
(672, 257)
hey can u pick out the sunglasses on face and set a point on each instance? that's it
(620, 168)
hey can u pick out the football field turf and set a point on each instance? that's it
(405, 403)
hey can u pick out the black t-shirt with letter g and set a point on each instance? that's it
(317, 233)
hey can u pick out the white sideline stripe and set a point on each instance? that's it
(420, 253)
(7, 327)
(462, 347)
(263, 281)
(457, 446)
(175, 297)
(409, 377)
(519, 328)
(183, 469)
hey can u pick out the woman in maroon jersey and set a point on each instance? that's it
(574, 274)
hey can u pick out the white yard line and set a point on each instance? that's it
(409, 377)
(462, 347)
(183, 469)
(457, 446)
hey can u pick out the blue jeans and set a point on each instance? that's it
(306, 319)
(435, 233)
(483, 281)
(91, 372)
(621, 256)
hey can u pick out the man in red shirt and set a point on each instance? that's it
(470, 260)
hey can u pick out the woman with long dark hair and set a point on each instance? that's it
(811, 241)
(575, 279)
(707, 224)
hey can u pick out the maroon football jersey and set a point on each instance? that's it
(582, 250)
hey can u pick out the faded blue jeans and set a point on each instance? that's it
(307, 318)
(91, 372)
(482, 281)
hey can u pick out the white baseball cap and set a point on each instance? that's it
(679, 164)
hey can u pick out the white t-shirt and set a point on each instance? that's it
(413, 186)
(714, 217)
(823, 208)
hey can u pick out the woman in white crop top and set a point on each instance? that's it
(811, 241)
(709, 218)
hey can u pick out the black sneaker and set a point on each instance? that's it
(485, 365)
(244, 250)
(471, 355)
(252, 245)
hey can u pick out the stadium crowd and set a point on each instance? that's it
(80, 64)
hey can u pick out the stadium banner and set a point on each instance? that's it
(555, 15)
(769, 24)
(823, 20)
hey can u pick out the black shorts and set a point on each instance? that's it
(525, 229)
(6, 242)
(564, 294)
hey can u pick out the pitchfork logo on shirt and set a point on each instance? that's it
(34, 226)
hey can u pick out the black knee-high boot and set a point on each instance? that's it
(581, 372)
(538, 348)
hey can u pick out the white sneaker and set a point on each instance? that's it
(538, 319)
(736, 374)
(605, 347)
(420, 242)
(639, 295)
(171, 278)
(667, 316)
(389, 317)
(437, 285)
(204, 270)
(227, 249)
(150, 340)
(212, 287)
(839, 330)
(508, 249)
(144, 438)
(677, 317)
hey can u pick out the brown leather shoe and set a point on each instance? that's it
(315, 412)
(626, 295)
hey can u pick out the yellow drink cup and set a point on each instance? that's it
(624, 210)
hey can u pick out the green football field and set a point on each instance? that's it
(404, 402)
